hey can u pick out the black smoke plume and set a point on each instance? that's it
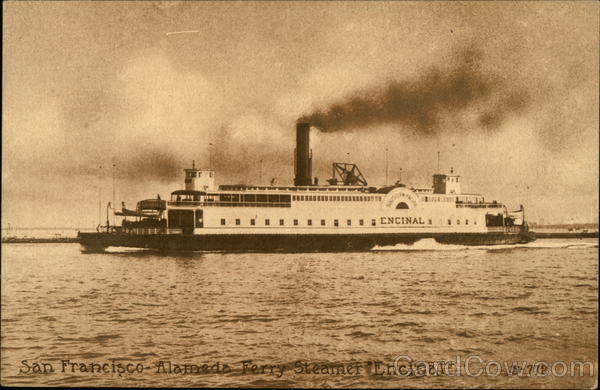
(424, 102)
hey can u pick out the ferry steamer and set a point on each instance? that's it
(344, 215)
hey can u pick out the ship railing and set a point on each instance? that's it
(514, 229)
(479, 205)
(185, 203)
(505, 229)
(145, 231)
(230, 204)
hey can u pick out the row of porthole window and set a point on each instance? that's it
(458, 222)
(336, 223)
(309, 222)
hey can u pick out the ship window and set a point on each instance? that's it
(261, 198)
(301, 197)
(458, 221)
(349, 222)
(281, 222)
(322, 222)
(252, 222)
(273, 198)
(237, 221)
(284, 198)
(211, 174)
(229, 198)
(466, 221)
(336, 223)
(222, 221)
(295, 222)
(449, 222)
(361, 222)
(309, 222)
(267, 222)
(402, 205)
(373, 222)
(250, 198)
(475, 222)
(430, 221)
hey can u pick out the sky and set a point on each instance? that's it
(507, 92)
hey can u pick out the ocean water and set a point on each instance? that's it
(302, 320)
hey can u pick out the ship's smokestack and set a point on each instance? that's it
(303, 157)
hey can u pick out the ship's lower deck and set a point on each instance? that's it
(288, 242)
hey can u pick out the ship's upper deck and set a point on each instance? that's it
(283, 196)
(246, 188)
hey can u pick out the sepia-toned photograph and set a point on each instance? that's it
(300, 194)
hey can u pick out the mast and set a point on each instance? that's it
(114, 197)
(100, 196)
(386, 166)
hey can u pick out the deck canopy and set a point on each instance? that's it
(188, 192)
